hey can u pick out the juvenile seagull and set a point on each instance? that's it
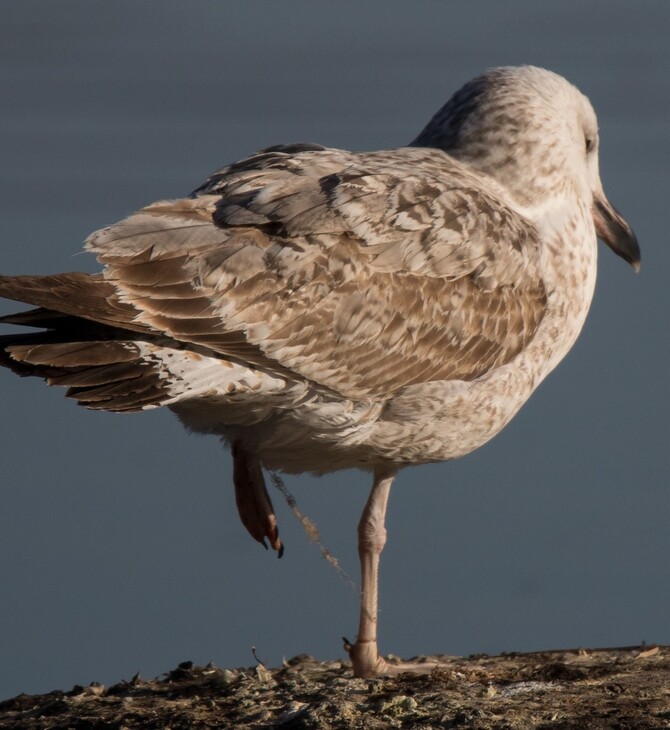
(319, 309)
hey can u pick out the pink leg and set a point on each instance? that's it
(253, 501)
(371, 540)
(364, 654)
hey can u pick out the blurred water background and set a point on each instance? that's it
(120, 548)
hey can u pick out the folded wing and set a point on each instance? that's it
(359, 274)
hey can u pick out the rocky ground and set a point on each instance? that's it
(612, 688)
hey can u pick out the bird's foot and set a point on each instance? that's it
(366, 662)
(257, 515)
(253, 501)
(365, 659)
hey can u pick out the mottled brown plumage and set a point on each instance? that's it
(321, 309)
(270, 254)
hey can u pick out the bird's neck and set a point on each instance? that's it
(569, 258)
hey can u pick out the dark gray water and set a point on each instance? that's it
(120, 549)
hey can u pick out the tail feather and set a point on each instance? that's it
(138, 392)
(103, 375)
(90, 341)
(95, 376)
(74, 354)
(86, 296)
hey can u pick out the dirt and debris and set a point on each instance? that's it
(586, 689)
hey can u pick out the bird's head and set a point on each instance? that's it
(535, 134)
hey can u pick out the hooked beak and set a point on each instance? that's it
(615, 232)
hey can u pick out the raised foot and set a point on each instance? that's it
(253, 501)
(366, 662)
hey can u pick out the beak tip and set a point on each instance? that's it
(613, 230)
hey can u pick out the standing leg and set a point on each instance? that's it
(371, 540)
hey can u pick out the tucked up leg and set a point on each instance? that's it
(253, 501)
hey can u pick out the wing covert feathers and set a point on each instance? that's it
(359, 274)
(324, 264)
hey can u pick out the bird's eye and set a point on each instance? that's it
(589, 143)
